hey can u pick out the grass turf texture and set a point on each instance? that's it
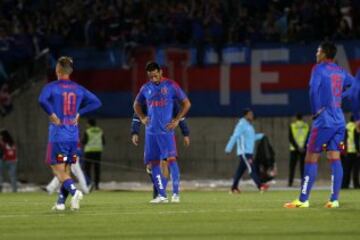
(200, 215)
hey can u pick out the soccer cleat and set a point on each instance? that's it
(75, 201)
(332, 204)
(264, 187)
(234, 191)
(297, 204)
(175, 198)
(58, 207)
(159, 199)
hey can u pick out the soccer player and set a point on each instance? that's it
(165, 165)
(65, 101)
(244, 136)
(327, 85)
(160, 95)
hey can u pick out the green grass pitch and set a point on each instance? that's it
(200, 215)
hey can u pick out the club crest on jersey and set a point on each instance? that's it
(164, 91)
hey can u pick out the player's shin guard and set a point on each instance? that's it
(158, 177)
(63, 194)
(336, 179)
(310, 172)
(70, 186)
(175, 175)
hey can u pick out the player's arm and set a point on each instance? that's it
(90, 103)
(183, 126)
(315, 83)
(135, 129)
(184, 106)
(44, 101)
(238, 131)
(138, 106)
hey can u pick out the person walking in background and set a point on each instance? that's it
(9, 159)
(350, 158)
(244, 137)
(93, 141)
(298, 134)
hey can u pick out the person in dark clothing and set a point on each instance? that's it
(265, 160)
(298, 134)
(93, 141)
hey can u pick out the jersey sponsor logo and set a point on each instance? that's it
(164, 91)
(156, 103)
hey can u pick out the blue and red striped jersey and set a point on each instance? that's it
(66, 99)
(328, 84)
(160, 99)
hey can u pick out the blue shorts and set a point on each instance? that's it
(61, 152)
(159, 147)
(328, 139)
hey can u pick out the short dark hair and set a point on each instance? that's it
(299, 116)
(329, 49)
(92, 122)
(246, 111)
(151, 66)
(66, 64)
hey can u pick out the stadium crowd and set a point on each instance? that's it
(28, 26)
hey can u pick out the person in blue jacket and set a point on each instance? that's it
(244, 137)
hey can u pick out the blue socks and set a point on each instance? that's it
(310, 173)
(175, 175)
(69, 186)
(158, 177)
(63, 194)
(336, 179)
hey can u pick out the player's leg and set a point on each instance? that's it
(77, 171)
(148, 171)
(334, 147)
(317, 138)
(53, 185)
(168, 148)
(165, 171)
(152, 156)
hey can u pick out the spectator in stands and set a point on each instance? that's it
(9, 159)
(6, 105)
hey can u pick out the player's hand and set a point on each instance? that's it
(144, 120)
(76, 120)
(54, 119)
(186, 141)
(135, 139)
(172, 125)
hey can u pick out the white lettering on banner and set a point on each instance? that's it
(341, 58)
(225, 84)
(258, 77)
